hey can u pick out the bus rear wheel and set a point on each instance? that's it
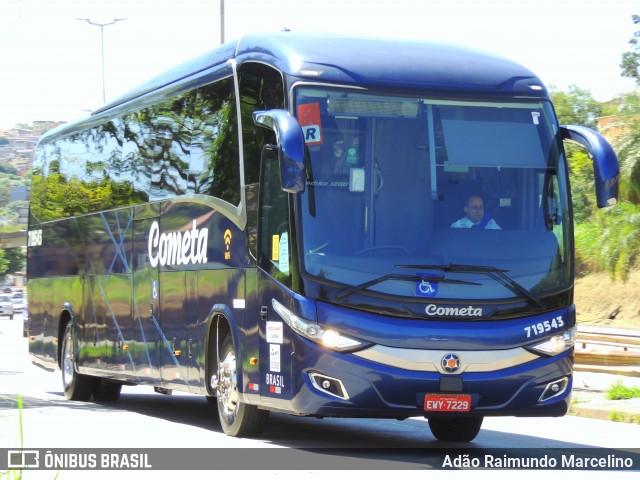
(456, 429)
(236, 418)
(76, 386)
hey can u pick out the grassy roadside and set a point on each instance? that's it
(618, 391)
(603, 302)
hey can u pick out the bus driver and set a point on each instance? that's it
(474, 215)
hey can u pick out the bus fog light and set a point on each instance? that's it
(554, 389)
(329, 385)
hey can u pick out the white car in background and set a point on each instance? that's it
(6, 305)
(19, 304)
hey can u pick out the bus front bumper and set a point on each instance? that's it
(353, 386)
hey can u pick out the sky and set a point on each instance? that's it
(51, 68)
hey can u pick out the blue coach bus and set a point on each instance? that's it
(272, 225)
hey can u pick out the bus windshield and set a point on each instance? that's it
(432, 197)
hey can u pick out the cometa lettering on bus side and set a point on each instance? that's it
(177, 248)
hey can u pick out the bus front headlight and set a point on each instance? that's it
(557, 343)
(329, 338)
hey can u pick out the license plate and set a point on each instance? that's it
(447, 403)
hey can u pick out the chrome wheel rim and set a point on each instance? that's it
(67, 361)
(227, 385)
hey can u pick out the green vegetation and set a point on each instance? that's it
(618, 391)
(11, 260)
(630, 63)
(624, 417)
(607, 240)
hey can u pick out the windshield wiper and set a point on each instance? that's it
(395, 276)
(497, 274)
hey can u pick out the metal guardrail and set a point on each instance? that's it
(625, 339)
(608, 350)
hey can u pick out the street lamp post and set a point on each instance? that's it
(102, 25)
(221, 22)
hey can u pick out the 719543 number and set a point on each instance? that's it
(544, 327)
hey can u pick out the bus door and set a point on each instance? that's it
(274, 257)
(147, 337)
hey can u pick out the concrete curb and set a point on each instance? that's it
(589, 397)
(613, 412)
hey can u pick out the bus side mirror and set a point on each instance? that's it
(605, 162)
(291, 147)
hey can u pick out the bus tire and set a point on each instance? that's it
(76, 386)
(455, 429)
(107, 391)
(236, 418)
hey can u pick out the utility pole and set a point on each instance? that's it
(221, 22)
(102, 25)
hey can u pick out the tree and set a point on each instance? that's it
(4, 264)
(630, 63)
(6, 168)
(627, 145)
(607, 241)
(14, 259)
(582, 191)
(611, 241)
(576, 106)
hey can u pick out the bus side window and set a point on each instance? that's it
(273, 220)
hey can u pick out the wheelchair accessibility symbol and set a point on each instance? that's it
(426, 289)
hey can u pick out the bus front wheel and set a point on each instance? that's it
(236, 418)
(456, 429)
(76, 386)
(106, 391)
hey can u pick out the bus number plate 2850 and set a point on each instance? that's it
(447, 403)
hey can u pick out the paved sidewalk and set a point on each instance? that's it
(589, 398)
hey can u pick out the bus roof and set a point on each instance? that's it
(346, 60)
(362, 61)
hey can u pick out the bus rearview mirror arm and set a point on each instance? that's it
(606, 168)
(291, 149)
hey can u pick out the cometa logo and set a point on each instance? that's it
(177, 248)
(470, 311)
